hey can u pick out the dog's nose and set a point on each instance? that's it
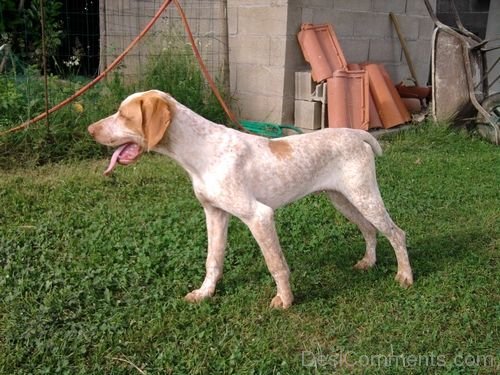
(91, 129)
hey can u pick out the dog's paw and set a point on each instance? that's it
(195, 296)
(405, 278)
(364, 264)
(281, 303)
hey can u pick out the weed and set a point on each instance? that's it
(65, 138)
(176, 71)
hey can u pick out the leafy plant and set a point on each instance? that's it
(53, 27)
(11, 101)
(176, 71)
(27, 45)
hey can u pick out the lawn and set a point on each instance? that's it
(93, 271)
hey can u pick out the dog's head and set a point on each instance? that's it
(139, 125)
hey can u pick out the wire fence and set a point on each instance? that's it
(83, 37)
(122, 20)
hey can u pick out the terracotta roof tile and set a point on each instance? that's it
(359, 96)
(390, 107)
(374, 119)
(322, 50)
(348, 98)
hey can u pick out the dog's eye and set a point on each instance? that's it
(123, 115)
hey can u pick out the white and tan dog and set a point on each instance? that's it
(248, 176)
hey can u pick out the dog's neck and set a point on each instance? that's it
(190, 139)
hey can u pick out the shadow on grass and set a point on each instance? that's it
(316, 279)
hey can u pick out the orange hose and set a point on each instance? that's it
(204, 69)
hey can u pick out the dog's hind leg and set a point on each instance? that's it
(367, 229)
(371, 206)
(361, 190)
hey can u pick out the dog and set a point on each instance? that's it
(249, 176)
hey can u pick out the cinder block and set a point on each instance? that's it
(307, 15)
(342, 21)
(289, 87)
(317, 3)
(307, 89)
(252, 3)
(304, 86)
(260, 107)
(260, 81)
(396, 6)
(294, 17)
(373, 25)
(287, 110)
(409, 27)
(277, 51)
(232, 21)
(355, 50)
(478, 6)
(262, 20)
(445, 6)
(418, 7)
(323, 15)
(359, 5)
(420, 50)
(425, 29)
(399, 72)
(385, 50)
(249, 49)
(307, 114)
(233, 78)
(293, 56)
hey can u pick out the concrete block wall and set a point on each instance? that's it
(264, 54)
(473, 14)
(257, 45)
(493, 31)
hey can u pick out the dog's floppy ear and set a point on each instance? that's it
(156, 117)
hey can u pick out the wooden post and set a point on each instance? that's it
(44, 62)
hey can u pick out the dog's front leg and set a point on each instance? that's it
(217, 222)
(261, 224)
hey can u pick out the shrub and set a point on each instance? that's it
(176, 71)
(26, 15)
(66, 136)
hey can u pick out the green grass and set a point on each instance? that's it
(93, 271)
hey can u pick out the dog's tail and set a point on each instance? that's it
(370, 139)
